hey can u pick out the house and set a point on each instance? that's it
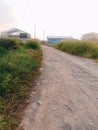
(57, 39)
(90, 37)
(16, 33)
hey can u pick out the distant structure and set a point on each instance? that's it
(90, 37)
(57, 39)
(16, 33)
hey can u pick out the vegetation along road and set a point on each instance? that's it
(66, 96)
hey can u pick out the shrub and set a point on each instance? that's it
(14, 68)
(34, 44)
(18, 66)
(9, 43)
(81, 48)
(3, 51)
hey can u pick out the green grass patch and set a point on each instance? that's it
(18, 66)
(34, 44)
(3, 51)
(9, 43)
(80, 48)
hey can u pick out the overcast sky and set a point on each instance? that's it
(56, 17)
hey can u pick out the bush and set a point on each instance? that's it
(81, 48)
(34, 44)
(9, 43)
(15, 66)
(3, 51)
(18, 67)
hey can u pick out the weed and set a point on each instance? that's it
(18, 65)
(80, 48)
(34, 44)
(9, 43)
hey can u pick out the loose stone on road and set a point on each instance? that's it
(66, 96)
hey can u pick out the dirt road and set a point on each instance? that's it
(67, 94)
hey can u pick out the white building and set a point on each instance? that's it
(16, 33)
(90, 37)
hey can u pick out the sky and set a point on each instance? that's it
(54, 17)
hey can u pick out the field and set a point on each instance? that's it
(19, 63)
(81, 48)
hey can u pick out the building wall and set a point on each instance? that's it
(25, 35)
(4, 34)
(90, 37)
(54, 40)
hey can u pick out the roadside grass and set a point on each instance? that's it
(18, 67)
(80, 48)
(9, 43)
(34, 44)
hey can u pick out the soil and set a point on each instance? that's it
(66, 96)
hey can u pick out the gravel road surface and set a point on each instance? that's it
(66, 96)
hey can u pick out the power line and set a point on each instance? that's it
(30, 11)
(29, 7)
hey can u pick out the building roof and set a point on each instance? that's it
(13, 30)
(68, 37)
(91, 33)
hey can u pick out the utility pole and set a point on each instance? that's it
(34, 31)
(43, 35)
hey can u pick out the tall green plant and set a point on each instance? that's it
(9, 43)
(81, 48)
(34, 44)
